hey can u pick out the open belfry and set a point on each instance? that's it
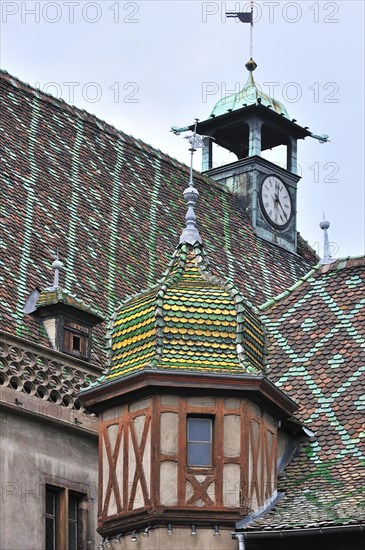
(226, 410)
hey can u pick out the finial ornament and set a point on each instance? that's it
(57, 265)
(190, 233)
(327, 259)
(251, 65)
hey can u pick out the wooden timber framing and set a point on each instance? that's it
(144, 475)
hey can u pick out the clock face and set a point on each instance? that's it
(276, 201)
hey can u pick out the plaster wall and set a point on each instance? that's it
(35, 452)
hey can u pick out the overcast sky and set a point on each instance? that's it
(144, 66)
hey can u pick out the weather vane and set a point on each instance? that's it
(197, 142)
(245, 17)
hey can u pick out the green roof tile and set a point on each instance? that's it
(197, 316)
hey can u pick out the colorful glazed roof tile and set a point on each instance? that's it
(190, 321)
(316, 354)
(73, 182)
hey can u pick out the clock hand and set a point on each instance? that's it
(276, 203)
(276, 191)
(286, 217)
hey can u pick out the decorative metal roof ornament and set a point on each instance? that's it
(245, 17)
(327, 258)
(57, 265)
(190, 233)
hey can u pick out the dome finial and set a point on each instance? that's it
(251, 65)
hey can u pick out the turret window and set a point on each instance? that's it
(199, 441)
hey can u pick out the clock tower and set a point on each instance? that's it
(247, 123)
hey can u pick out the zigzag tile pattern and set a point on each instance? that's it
(107, 200)
(191, 321)
(317, 355)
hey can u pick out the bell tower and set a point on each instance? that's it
(246, 124)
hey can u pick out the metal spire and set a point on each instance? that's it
(327, 259)
(190, 233)
(251, 32)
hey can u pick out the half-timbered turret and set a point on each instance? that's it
(189, 420)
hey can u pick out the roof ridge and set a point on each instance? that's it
(62, 292)
(320, 269)
(289, 290)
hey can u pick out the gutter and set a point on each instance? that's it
(301, 532)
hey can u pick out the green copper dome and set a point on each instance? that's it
(249, 95)
(191, 321)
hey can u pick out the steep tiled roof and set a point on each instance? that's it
(317, 355)
(105, 200)
(190, 321)
(113, 206)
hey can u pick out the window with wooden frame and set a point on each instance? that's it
(52, 515)
(64, 521)
(76, 339)
(199, 441)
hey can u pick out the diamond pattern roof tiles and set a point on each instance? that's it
(190, 321)
(112, 205)
(316, 353)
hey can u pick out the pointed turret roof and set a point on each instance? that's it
(192, 321)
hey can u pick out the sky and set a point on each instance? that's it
(144, 66)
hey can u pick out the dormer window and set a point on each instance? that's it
(67, 319)
(76, 339)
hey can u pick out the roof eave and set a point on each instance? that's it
(305, 531)
(147, 381)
